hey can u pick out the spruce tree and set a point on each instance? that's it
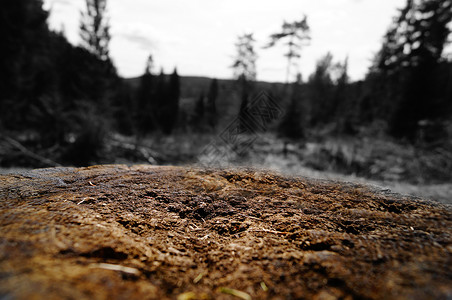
(245, 61)
(198, 115)
(145, 108)
(245, 122)
(296, 33)
(173, 99)
(98, 79)
(161, 100)
(211, 107)
(95, 28)
(244, 67)
(26, 67)
(321, 90)
(292, 124)
(409, 61)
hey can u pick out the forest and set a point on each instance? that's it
(65, 104)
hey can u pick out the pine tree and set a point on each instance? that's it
(343, 109)
(211, 107)
(409, 61)
(25, 60)
(95, 29)
(146, 100)
(417, 36)
(167, 94)
(293, 122)
(296, 33)
(199, 109)
(245, 61)
(244, 117)
(244, 67)
(173, 98)
(321, 90)
(98, 80)
(198, 116)
(161, 100)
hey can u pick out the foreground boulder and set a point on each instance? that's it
(142, 232)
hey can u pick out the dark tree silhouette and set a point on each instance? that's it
(125, 111)
(296, 33)
(408, 63)
(321, 89)
(95, 28)
(244, 67)
(245, 60)
(244, 117)
(161, 97)
(198, 115)
(25, 64)
(98, 76)
(199, 108)
(146, 102)
(343, 109)
(293, 123)
(173, 102)
(211, 107)
(417, 36)
(47, 86)
(167, 94)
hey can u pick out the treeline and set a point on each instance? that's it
(63, 98)
(50, 90)
(410, 84)
(407, 92)
(157, 105)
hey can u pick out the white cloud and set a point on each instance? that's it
(141, 40)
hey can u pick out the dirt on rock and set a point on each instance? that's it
(143, 232)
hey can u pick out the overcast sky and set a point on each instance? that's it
(198, 36)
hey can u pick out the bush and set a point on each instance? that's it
(87, 144)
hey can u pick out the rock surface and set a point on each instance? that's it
(143, 232)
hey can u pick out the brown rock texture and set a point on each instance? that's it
(143, 232)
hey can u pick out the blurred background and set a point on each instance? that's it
(354, 90)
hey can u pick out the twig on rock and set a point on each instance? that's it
(269, 231)
(112, 267)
